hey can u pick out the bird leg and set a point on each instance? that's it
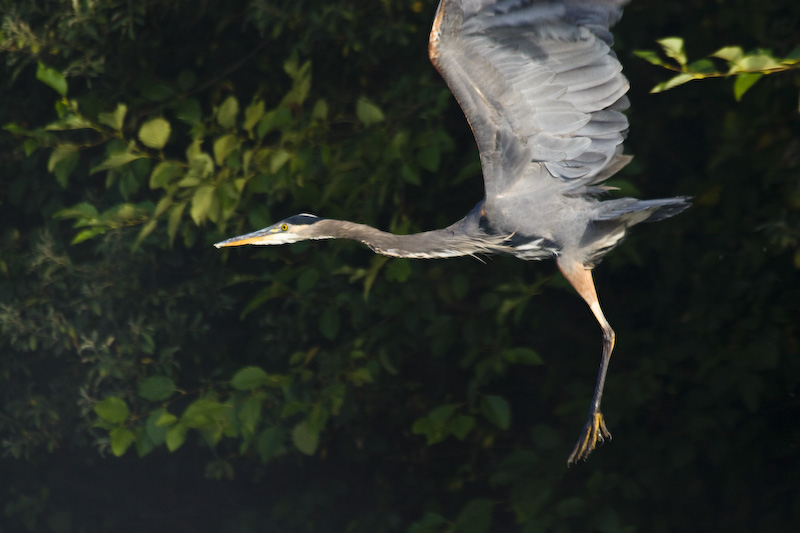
(595, 428)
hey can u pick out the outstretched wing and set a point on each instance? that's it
(540, 87)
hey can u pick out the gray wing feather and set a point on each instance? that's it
(540, 87)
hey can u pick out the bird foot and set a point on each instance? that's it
(594, 431)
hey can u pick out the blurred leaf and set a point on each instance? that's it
(475, 517)
(201, 203)
(176, 436)
(305, 439)
(496, 410)
(673, 47)
(157, 388)
(329, 323)
(743, 82)
(52, 78)
(154, 133)
(367, 112)
(112, 409)
(227, 112)
(114, 161)
(522, 356)
(270, 443)
(114, 119)
(224, 146)
(121, 439)
(729, 53)
(249, 378)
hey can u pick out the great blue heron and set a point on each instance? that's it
(544, 94)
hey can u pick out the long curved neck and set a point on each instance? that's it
(426, 245)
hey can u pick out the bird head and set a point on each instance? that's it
(293, 229)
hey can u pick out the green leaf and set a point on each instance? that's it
(252, 114)
(475, 517)
(367, 112)
(114, 119)
(62, 162)
(250, 413)
(399, 270)
(112, 409)
(154, 133)
(204, 413)
(496, 410)
(649, 56)
(166, 419)
(429, 157)
(758, 61)
(156, 388)
(114, 161)
(305, 439)
(278, 159)
(176, 436)
(227, 112)
(673, 82)
(249, 378)
(673, 47)
(729, 53)
(52, 78)
(743, 82)
(329, 323)
(121, 439)
(201, 203)
(430, 523)
(461, 425)
(164, 173)
(270, 443)
(522, 356)
(320, 111)
(224, 146)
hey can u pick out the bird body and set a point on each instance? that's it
(544, 95)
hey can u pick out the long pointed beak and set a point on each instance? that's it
(262, 236)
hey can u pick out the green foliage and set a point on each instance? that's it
(747, 68)
(317, 387)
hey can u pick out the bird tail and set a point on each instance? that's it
(631, 211)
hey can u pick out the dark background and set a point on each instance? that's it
(429, 395)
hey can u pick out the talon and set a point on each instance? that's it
(594, 431)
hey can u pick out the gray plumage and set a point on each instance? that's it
(544, 95)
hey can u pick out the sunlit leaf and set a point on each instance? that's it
(673, 82)
(743, 82)
(114, 161)
(673, 47)
(252, 114)
(52, 78)
(227, 112)
(155, 132)
(729, 53)
(224, 146)
(201, 203)
(114, 119)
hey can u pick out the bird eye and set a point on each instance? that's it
(284, 227)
